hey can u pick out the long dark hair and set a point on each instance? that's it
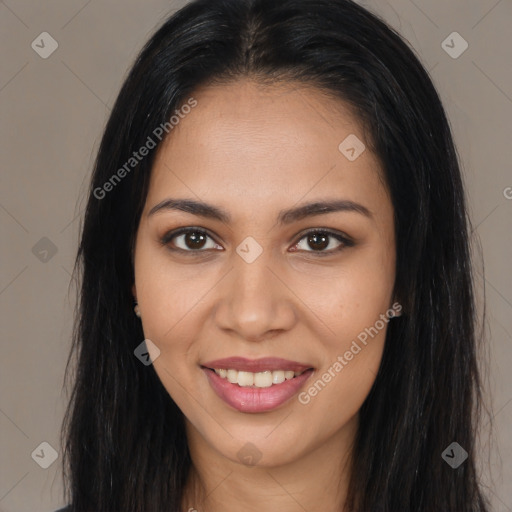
(124, 440)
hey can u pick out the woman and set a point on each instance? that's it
(276, 308)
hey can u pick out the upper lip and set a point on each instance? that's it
(256, 365)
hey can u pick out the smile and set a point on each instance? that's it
(263, 379)
(256, 386)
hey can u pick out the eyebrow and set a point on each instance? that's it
(285, 216)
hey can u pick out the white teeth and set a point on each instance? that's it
(278, 377)
(245, 379)
(263, 379)
(232, 376)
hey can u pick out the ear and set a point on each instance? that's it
(134, 291)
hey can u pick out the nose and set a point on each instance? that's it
(254, 301)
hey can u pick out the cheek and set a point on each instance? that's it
(353, 355)
(349, 296)
(171, 317)
(353, 305)
(349, 367)
(169, 294)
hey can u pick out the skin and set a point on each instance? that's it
(255, 150)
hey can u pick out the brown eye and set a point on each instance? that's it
(194, 240)
(318, 241)
(189, 240)
(324, 242)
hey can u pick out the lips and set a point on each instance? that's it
(252, 399)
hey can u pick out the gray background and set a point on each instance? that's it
(53, 111)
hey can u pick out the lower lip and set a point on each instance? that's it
(248, 399)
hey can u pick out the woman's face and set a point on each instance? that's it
(251, 285)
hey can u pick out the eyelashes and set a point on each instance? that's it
(319, 236)
(204, 242)
(200, 235)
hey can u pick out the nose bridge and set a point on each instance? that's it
(254, 280)
(253, 300)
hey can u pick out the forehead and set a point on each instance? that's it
(248, 143)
